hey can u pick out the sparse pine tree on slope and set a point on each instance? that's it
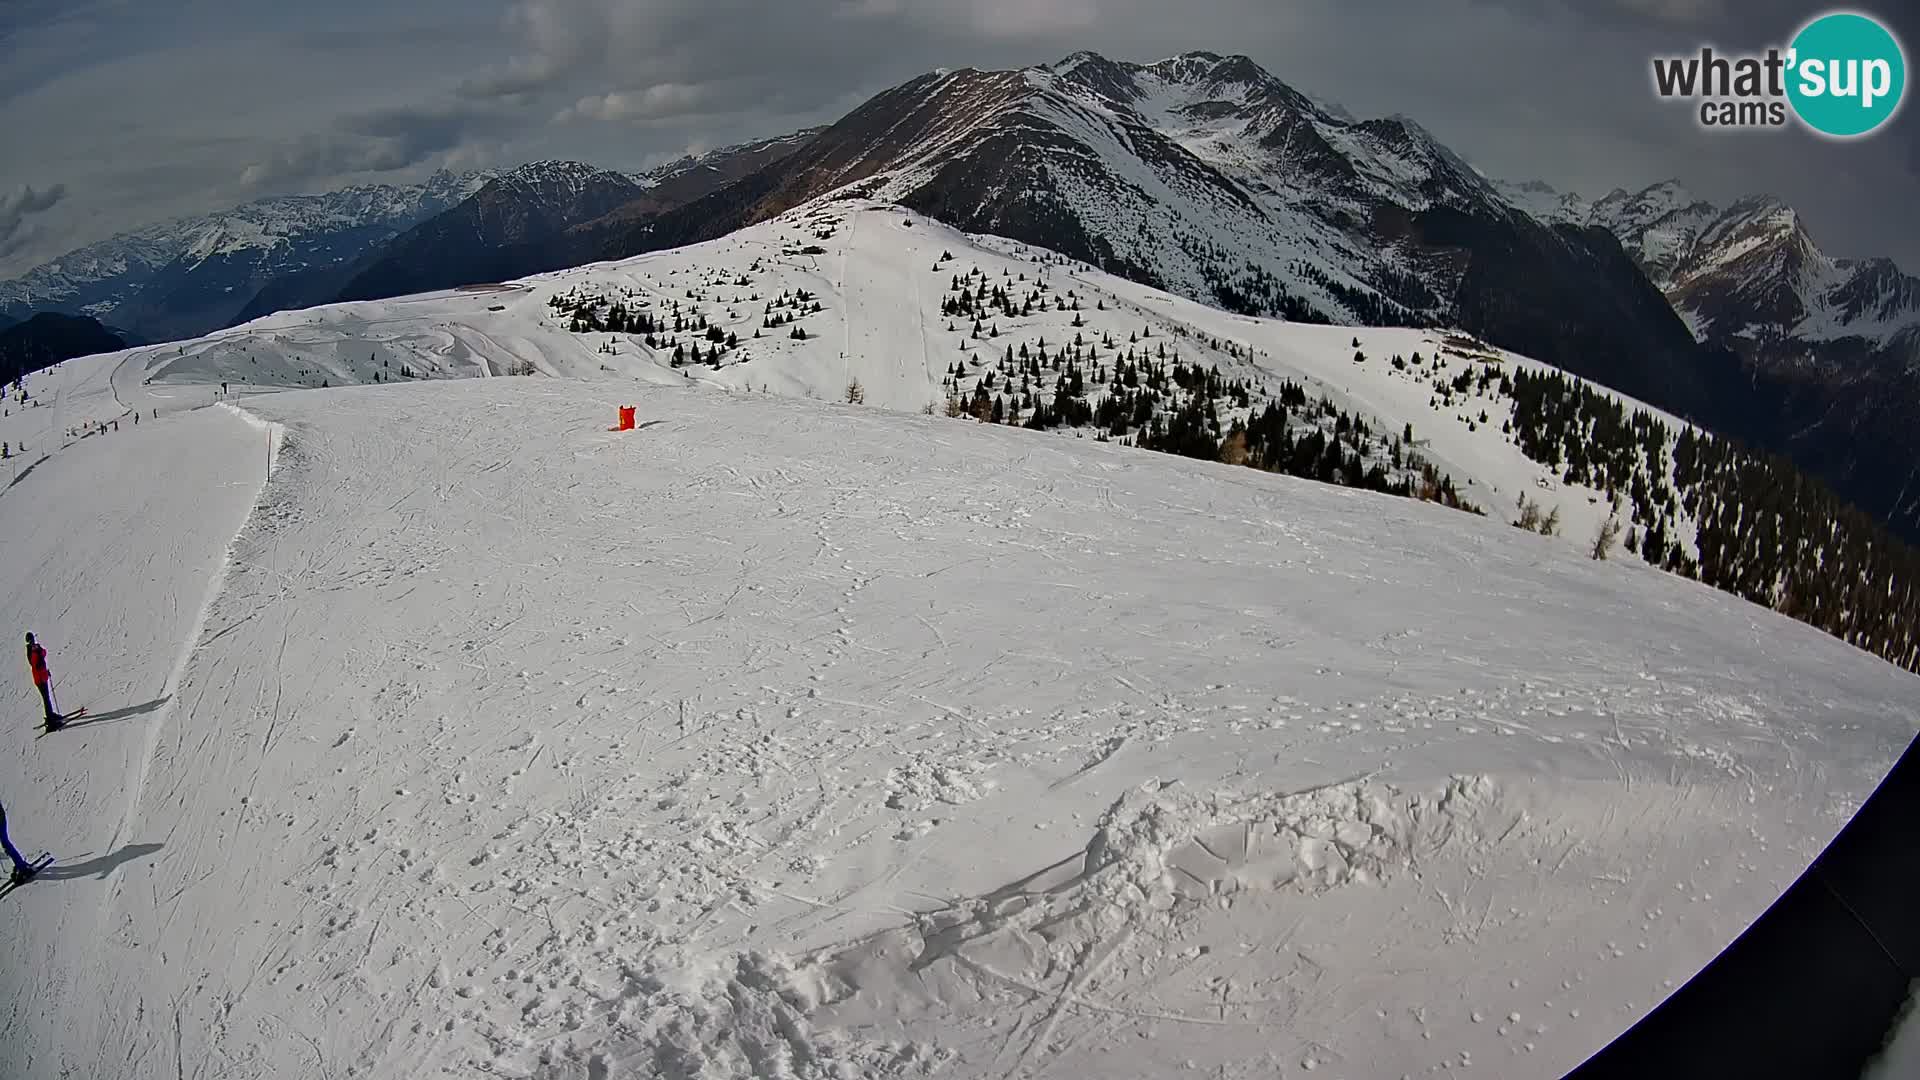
(1529, 514)
(1608, 534)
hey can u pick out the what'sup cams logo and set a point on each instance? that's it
(1843, 76)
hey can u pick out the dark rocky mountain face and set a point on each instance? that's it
(513, 226)
(539, 217)
(681, 182)
(50, 337)
(1848, 415)
(1207, 176)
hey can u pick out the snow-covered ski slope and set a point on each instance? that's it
(879, 277)
(795, 739)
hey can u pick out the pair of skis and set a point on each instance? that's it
(46, 858)
(33, 871)
(64, 721)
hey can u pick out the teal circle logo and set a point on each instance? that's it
(1847, 74)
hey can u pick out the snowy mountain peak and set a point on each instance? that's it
(1209, 67)
(1195, 56)
(1068, 64)
(1672, 191)
(1765, 209)
(1646, 207)
(1545, 202)
(1204, 77)
(1091, 72)
(560, 178)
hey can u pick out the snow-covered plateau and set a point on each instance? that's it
(435, 729)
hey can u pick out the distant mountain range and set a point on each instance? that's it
(508, 228)
(183, 278)
(186, 277)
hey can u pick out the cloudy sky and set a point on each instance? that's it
(116, 113)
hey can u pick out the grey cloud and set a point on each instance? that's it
(1747, 17)
(381, 141)
(811, 46)
(18, 205)
(22, 17)
(22, 239)
(654, 102)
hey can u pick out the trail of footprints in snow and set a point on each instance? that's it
(698, 845)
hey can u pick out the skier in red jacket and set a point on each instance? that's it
(43, 680)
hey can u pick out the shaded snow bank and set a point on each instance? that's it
(274, 434)
(1901, 1058)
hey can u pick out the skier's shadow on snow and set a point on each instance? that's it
(101, 867)
(118, 714)
(22, 474)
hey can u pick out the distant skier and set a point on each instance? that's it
(223, 389)
(22, 869)
(43, 680)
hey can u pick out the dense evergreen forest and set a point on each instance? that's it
(1760, 528)
(1143, 392)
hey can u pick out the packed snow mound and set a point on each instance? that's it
(845, 291)
(784, 738)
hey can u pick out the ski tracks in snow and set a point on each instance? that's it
(137, 523)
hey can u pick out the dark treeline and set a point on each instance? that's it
(1766, 532)
(1141, 392)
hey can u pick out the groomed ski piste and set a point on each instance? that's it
(437, 730)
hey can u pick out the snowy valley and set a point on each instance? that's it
(437, 729)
